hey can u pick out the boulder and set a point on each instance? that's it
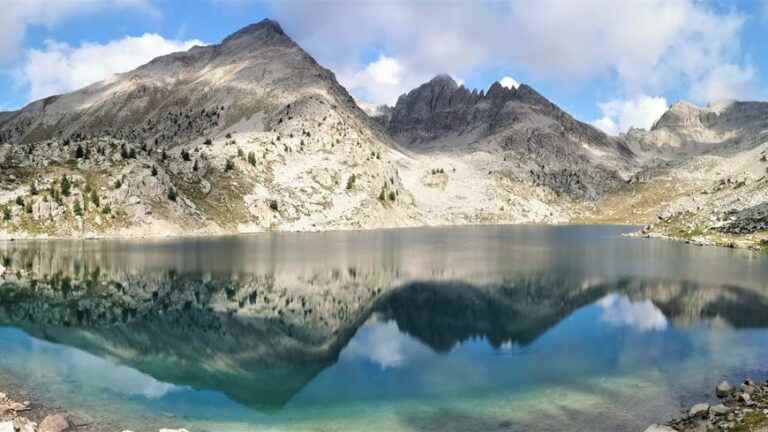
(744, 398)
(55, 423)
(748, 386)
(699, 410)
(7, 427)
(723, 389)
(720, 409)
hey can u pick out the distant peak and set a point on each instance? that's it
(683, 105)
(265, 27)
(444, 79)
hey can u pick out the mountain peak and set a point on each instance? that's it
(264, 28)
(445, 80)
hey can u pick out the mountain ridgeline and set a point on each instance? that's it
(252, 134)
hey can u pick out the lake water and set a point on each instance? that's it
(450, 329)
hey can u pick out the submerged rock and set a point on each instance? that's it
(55, 423)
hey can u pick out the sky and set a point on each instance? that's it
(615, 64)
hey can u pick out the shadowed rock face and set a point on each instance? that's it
(441, 107)
(532, 137)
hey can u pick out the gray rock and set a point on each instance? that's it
(659, 428)
(744, 397)
(699, 410)
(748, 387)
(720, 409)
(724, 389)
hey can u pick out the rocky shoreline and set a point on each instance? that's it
(753, 243)
(740, 409)
(20, 412)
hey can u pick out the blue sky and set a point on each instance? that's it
(614, 67)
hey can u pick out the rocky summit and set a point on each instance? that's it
(532, 139)
(252, 134)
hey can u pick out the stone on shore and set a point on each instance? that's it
(7, 427)
(724, 389)
(699, 410)
(55, 423)
(748, 387)
(659, 428)
(720, 409)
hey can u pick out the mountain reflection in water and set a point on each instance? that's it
(259, 321)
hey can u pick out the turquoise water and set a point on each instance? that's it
(455, 329)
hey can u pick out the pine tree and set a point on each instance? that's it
(66, 186)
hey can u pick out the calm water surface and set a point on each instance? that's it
(455, 329)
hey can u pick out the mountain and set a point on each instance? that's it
(703, 176)
(688, 129)
(252, 135)
(537, 141)
(247, 135)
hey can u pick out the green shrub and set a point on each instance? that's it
(77, 208)
(95, 198)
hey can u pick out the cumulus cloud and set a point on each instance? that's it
(643, 47)
(509, 82)
(59, 67)
(19, 14)
(726, 82)
(620, 311)
(619, 116)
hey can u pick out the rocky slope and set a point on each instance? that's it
(705, 177)
(247, 135)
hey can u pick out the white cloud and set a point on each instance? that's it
(725, 82)
(642, 47)
(381, 81)
(620, 311)
(620, 115)
(509, 82)
(17, 15)
(59, 67)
